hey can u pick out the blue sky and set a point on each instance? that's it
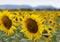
(33, 3)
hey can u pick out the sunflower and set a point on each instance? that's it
(47, 33)
(17, 17)
(51, 15)
(31, 27)
(47, 37)
(42, 21)
(7, 23)
(50, 29)
(46, 30)
(51, 21)
(58, 14)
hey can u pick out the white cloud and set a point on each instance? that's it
(55, 3)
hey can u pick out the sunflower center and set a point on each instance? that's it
(32, 25)
(44, 32)
(6, 22)
(46, 36)
(50, 21)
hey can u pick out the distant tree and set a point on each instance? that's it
(26, 9)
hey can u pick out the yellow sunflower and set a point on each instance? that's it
(17, 17)
(31, 26)
(50, 29)
(51, 15)
(53, 23)
(58, 17)
(58, 14)
(47, 37)
(7, 23)
(47, 33)
(46, 30)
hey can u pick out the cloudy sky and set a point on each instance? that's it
(33, 3)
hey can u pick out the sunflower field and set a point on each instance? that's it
(29, 26)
